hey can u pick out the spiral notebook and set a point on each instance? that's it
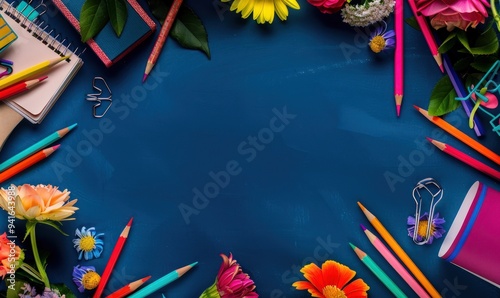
(35, 44)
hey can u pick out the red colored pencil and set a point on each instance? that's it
(127, 289)
(112, 259)
(28, 162)
(476, 164)
(162, 37)
(398, 56)
(20, 87)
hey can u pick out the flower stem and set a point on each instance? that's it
(211, 292)
(494, 12)
(38, 262)
(31, 271)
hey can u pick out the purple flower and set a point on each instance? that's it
(85, 278)
(437, 230)
(382, 39)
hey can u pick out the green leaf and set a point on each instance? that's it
(448, 43)
(55, 225)
(483, 63)
(486, 43)
(443, 98)
(187, 30)
(117, 11)
(412, 21)
(30, 226)
(462, 37)
(93, 17)
(462, 65)
(63, 290)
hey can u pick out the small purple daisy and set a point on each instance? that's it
(437, 230)
(382, 39)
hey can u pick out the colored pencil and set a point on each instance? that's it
(461, 136)
(28, 162)
(391, 259)
(379, 273)
(162, 37)
(428, 36)
(20, 87)
(128, 289)
(400, 252)
(460, 90)
(112, 259)
(36, 147)
(476, 164)
(29, 72)
(161, 282)
(398, 56)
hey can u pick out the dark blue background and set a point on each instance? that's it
(291, 202)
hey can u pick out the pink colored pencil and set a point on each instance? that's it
(426, 31)
(389, 257)
(476, 164)
(398, 56)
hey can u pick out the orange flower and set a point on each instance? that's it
(331, 281)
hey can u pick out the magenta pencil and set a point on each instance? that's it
(398, 56)
(391, 259)
(428, 36)
(476, 164)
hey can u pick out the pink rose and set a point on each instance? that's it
(454, 13)
(328, 6)
(8, 252)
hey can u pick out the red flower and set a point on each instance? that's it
(328, 6)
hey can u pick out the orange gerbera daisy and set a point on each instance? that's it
(331, 281)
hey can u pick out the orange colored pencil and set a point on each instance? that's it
(460, 136)
(162, 37)
(400, 252)
(476, 164)
(28, 162)
(20, 87)
(127, 289)
(112, 259)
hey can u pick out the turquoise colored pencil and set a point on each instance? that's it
(162, 281)
(35, 147)
(386, 280)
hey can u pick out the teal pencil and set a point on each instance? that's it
(386, 280)
(161, 282)
(35, 147)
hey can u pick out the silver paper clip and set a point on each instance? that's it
(96, 97)
(436, 192)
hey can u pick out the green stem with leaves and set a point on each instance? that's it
(38, 261)
(494, 12)
(31, 271)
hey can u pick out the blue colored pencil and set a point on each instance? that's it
(161, 282)
(35, 147)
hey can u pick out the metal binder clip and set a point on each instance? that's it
(436, 192)
(96, 97)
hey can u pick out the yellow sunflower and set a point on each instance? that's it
(263, 10)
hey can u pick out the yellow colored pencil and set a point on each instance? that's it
(30, 72)
(460, 136)
(400, 252)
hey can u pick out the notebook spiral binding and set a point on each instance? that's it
(37, 27)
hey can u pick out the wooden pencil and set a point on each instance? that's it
(27, 163)
(129, 288)
(20, 87)
(467, 159)
(398, 56)
(460, 136)
(403, 256)
(112, 259)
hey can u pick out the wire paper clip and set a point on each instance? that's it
(436, 192)
(7, 64)
(96, 97)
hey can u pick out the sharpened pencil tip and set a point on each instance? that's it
(429, 139)
(361, 206)
(72, 126)
(398, 110)
(416, 107)
(55, 147)
(363, 227)
(130, 222)
(193, 264)
(352, 245)
(144, 77)
(42, 78)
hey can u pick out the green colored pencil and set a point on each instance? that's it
(35, 147)
(161, 282)
(378, 272)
